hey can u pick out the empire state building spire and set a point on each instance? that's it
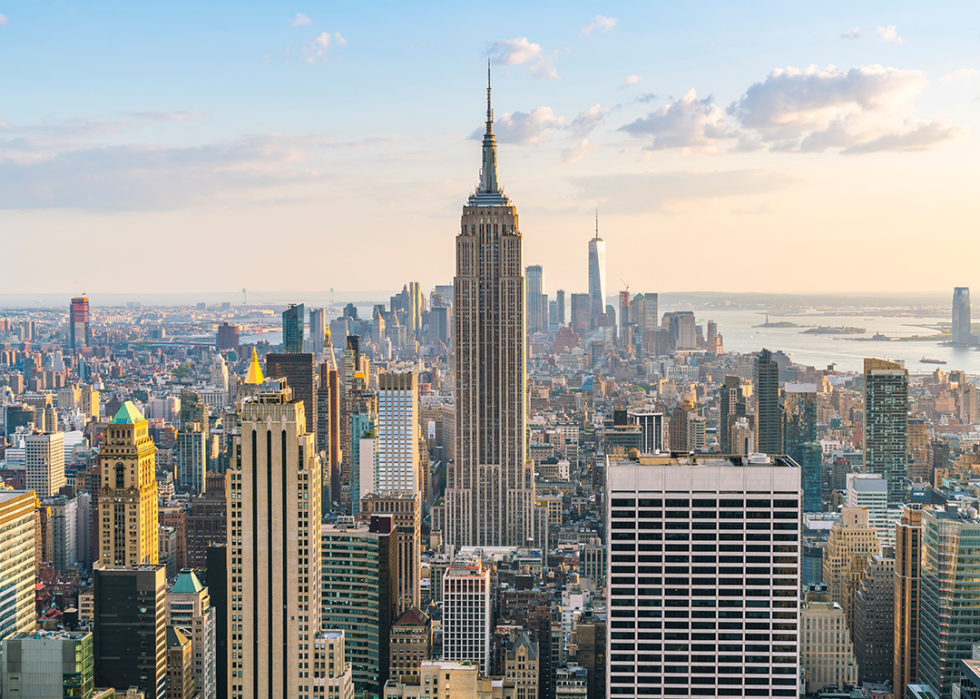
(489, 192)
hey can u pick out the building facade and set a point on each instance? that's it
(47, 665)
(886, 406)
(908, 544)
(467, 610)
(44, 463)
(18, 563)
(398, 433)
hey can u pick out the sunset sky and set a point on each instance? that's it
(753, 146)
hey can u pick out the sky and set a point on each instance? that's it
(741, 147)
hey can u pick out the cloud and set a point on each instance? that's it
(600, 22)
(300, 20)
(687, 123)
(587, 120)
(852, 34)
(86, 127)
(576, 153)
(521, 52)
(663, 191)
(925, 135)
(4, 21)
(890, 33)
(525, 128)
(631, 80)
(645, 98)
(317, 49)
(961, 74)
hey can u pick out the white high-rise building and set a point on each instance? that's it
(467, 613)
(703, 576)
(44, 459)
(398, 434)
(189, 609)
(273, 549)
(870, 491)
(219, 374)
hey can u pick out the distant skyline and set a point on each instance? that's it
(757, 147)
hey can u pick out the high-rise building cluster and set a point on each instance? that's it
(485, 489)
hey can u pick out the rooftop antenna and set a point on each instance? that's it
(597, 222)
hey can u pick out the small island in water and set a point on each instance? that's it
(842, 330)
(779, 324)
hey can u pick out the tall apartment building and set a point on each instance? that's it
(191, 458)
(908, 544)
(769, 417)
(360, 584)
(189, 611)
(79, 329)
(398, 431)
(886, 406)
(870, 490)
(949, 595)
(130, 641)
(273, 549)
(851, 545)
(332, 674)
(467, 613)
(18, 563)
(874, 620)
(411, 643)
(490, 486)
(62, 520)
(704, 576)
(45, 665)
(293, 328)
(826, 649)
(406, 511)
(537, 300)
(44, 463)
(318, 331)
(127, 527)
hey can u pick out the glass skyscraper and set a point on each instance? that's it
(886, 407)
(962, 334)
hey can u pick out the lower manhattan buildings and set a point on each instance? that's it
(704, 576)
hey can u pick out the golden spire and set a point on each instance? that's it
(255, 375)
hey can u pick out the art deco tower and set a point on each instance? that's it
(490, 488)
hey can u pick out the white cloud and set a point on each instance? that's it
(525, 128)
(924, 135)
(688, 123)
(600, 22)
(521, 52)
(961, 74)
(4, 21)
(852, 34)
(582, 150)
(631, 80)
(300, 20)
(317, 49)
(890, 33)
(587, 120)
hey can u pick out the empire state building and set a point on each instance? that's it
(490, 487)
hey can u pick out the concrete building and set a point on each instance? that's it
(191, 459)
(536, 299)
(742, 517)
(47, 665)
(44, 463)
(851, 545)
(180, 671)
(490, 486)
(521, 665)
(886, 405)
(769, 418)
(467, 613)
(18, 563)
(398, 430)
(826, 650)
(189, 611)
(360, 593)
(652, 430)
(874, 620)
(128, 525)
(449, 680)
(332, 674)
(273, 548)
(870, 491)
(130, 628)
(908, 543)
(405, 509)
(63, 521)
(410, 644)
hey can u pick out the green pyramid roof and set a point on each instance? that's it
(127, 415)
(187, 583)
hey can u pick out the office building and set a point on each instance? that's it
(651, 430)
(799, 419)
(826, 649)
(908, 544)
(328, 428)
(561, 317)
(851, 544)
(411, 643)
(44, 462)
(597, 275)
(962, 330)
(61, 516)
(490, 486)
(293, 327)
(207, 520)
(273, 551)
(949, 596)
(18, 563)
(625, 332)
(449, 680)
(732, 407)
(190, 459)
(217, 577)
(537, 300)
(180, 666)
(318, 332)
(364, 448)
(79, 328)
(228, 338)
(47, 665)
(130, 628)
(650, 323)
(581, 313)
(467, 613)
(300, 372)
(406, 510)
(886, 406)
(812, 471)
(874, 620)
(398, 431)
(360, 586)
(189, 611)
(731, 566)
(520, 665)
(769, 419)
(870, 491)
(128, 526)
(332, 674)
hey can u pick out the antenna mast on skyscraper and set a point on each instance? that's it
(597, 222)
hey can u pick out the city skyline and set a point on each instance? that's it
(676, 107)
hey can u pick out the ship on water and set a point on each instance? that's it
(932, 361)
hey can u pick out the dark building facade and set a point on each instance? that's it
(770, 424)
(293, 325)
(300, 372)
